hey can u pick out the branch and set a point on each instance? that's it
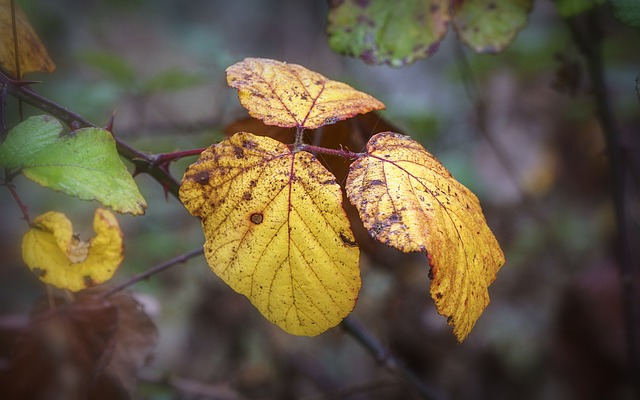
(588, 40)
(384, 357)
(152, 271)
(142, 161)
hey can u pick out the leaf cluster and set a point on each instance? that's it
(274, 223)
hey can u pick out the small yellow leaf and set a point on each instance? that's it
(289, 95)
(275, 231)
(33, 54)
(407, 199)
(59, 258)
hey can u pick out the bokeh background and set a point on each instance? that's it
(519, 129)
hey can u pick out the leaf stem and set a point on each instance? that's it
(23, 207)
(152, 271)
(385, 358)
(299, 140)
(334, 152)
(163, 158)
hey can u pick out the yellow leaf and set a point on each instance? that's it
(275, 231)
(410, 201)
(33, 54)
(59, 258)
(289, 95)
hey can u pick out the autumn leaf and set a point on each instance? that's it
(33, 54)
(489, 26)
(407, 199)
(387, 32)
(52, 251)
(289, 95)
(351, 134)
(275, 231)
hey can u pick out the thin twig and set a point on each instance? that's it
(334, 152)
(385, 358)
(163, 158)
(23, 207)
(152, 271)
(588, 40)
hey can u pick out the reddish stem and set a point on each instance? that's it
(163, 158)
(23, 207)
(334, 152)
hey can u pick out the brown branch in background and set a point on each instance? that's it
(385, 358)
(587, 35)
(529, 204)
(152, 271)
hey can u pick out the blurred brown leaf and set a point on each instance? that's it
(88, 348)
(33, 54)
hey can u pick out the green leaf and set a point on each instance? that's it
(86, 164)
(388, 32)
(172, 80)
(490, 26)
(627, 11)
(569, 8)
(28, 138)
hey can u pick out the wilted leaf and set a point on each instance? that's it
(134, 339)
(408, 200)
(61, 351)
(489, 26)
(27, 139)
(90, 348)
(33, 54)
(59, 258)
(387, 32)
(626, 11)
(290, 95)
(276, 231)
(86, 164)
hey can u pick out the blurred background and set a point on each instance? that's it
(518, 128)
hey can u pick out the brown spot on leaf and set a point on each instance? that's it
(247, 196)
(40, 273)
(201, 177)
(345, 239)
(257, 218)
(239, 152)
(88, 281)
